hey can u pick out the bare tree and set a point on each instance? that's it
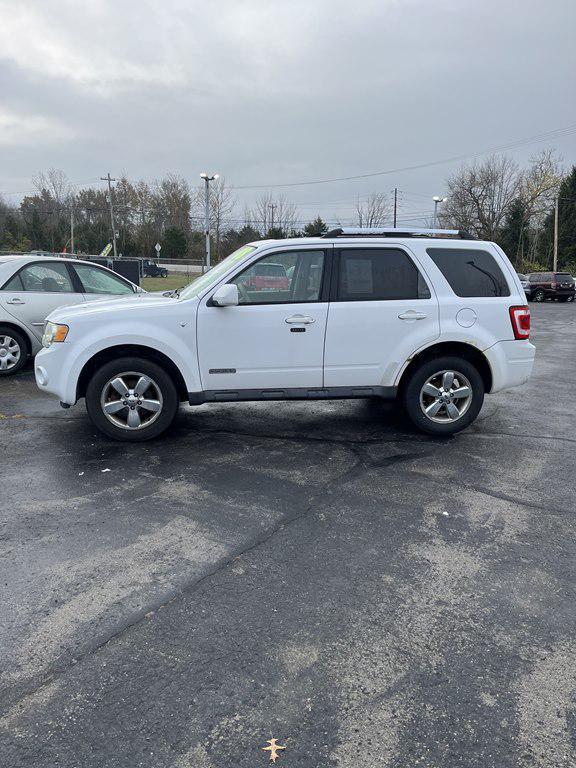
(53, 184)
(480, 196)
(541, 183)
(174, 200)
(271, 212)
(373, 211)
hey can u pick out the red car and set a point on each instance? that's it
(268, 277)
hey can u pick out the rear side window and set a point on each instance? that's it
(372, 274)
(470, 272)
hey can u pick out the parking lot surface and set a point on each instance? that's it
(316, 573)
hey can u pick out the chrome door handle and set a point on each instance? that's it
(15, 301)
(300, 320)
(412, 315)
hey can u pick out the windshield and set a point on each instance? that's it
(197, 286)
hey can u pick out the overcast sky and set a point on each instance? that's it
(279, 91)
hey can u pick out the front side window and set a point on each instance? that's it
(379, 274)
(96, 280)
(46, 278)
(470, 272)
(282, 278)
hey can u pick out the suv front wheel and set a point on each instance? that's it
(444, 396)
(131, 399)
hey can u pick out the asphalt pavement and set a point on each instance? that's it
(317, 573)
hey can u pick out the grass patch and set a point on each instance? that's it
(165, 283)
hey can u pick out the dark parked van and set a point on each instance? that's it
(551, 285)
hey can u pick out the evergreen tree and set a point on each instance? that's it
(315, 228)
(173, 243)
(566, 227)
(515, 233)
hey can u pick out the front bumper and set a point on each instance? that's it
(52, 369)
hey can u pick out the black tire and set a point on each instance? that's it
(411, 394)
(539, 295)
(564, 298)
(22, 348)
(161, 383)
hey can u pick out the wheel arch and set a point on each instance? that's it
(134, 350)
(458, 348)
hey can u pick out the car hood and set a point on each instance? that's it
(136, 303)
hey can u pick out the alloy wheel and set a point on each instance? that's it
(10, 353)
(131, 400)
(445, 396)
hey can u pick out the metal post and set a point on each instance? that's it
(207, 179)
(555, 258)
(395, 205)
(109, 180)
(72, 229)
(207, 220)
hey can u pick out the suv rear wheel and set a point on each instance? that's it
(444, 396)
(131, 399)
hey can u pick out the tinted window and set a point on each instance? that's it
(282, 278)
(371, 274)
(47, 278)
(97, 280)
(470, 272)
(563, 277)
(14, 284)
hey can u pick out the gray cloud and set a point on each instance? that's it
(267, 92)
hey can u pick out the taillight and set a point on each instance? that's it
(520, 319)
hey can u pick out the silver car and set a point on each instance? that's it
(32, 286)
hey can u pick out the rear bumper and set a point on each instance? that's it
(511, 363)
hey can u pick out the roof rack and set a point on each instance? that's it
(401, 232)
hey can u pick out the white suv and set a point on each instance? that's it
(430, 317)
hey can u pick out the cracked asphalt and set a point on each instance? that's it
(311, 572)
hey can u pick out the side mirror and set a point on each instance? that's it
(226, 296)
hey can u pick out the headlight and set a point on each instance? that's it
(54, 332)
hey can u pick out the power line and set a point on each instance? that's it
(492, 150)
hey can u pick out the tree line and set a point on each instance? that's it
(494, 199)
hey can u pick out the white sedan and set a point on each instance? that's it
(33, 286)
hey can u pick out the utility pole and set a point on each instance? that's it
(395, 204)
(555, 258)
(72, 229)
(272, 207)
(109, 180)
(207, 179)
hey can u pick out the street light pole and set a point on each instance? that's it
(207, 179)
(437, 200)
(109, 180)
